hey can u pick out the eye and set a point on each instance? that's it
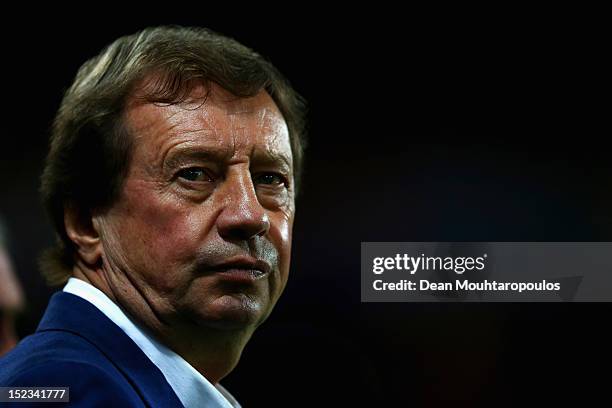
(271, 179)
(194, 174)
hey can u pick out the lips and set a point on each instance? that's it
(241, 273)
(241, 268)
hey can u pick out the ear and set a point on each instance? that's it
(83, 231)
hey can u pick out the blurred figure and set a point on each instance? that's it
(11, 296)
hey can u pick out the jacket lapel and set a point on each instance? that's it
(70, 313)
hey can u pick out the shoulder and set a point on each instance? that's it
(88, 385)
(64, 359)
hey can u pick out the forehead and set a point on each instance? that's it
(212, 118)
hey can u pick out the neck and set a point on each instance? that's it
(214, 358)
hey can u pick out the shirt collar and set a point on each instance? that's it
(191, 387)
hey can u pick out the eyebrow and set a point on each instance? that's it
(271, 158)
(183, 155)
(189, 154)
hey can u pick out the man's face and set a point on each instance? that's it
(202, 228)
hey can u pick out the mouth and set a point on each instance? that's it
(241, 269)
(241, 274)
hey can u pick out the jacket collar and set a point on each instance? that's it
(67, 312)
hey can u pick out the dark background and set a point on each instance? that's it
(421, 129)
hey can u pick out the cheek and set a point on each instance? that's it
(160, 238)
(281, 226)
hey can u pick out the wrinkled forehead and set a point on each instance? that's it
(213, 117)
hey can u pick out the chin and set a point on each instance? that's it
(232, 312)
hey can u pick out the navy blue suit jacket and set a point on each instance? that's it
(77, 346)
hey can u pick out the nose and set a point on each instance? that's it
(242, 217)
